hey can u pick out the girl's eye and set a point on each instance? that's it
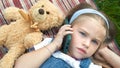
(82, 33)
(95, 42)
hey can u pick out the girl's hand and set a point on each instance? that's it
(64, 30)
(98, 55)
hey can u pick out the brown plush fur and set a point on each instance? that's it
(25, 33)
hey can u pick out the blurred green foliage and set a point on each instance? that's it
(112, 9)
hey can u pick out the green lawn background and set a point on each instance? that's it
(112, 9)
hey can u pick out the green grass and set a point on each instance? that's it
(112, 9)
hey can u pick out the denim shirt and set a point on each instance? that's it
(53, 62)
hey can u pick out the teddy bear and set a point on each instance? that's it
(10, 15)
(26, 32)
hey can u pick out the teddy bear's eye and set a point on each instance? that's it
(48, 12)
(12, 20)
(42, 6)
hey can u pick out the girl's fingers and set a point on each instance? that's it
(68, 32)
(66, 29)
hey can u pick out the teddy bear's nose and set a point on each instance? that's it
(41, 11)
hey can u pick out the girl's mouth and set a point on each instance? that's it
(82, 50)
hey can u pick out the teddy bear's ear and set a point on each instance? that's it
(24, 15)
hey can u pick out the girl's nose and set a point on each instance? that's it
(86, 43)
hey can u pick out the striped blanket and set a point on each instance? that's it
(64, 5)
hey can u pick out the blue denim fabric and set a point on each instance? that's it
(85, 63)
(53, 62)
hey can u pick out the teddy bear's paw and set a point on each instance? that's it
(5, 64)
(32, 39)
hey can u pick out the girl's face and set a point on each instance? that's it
(87, 36)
